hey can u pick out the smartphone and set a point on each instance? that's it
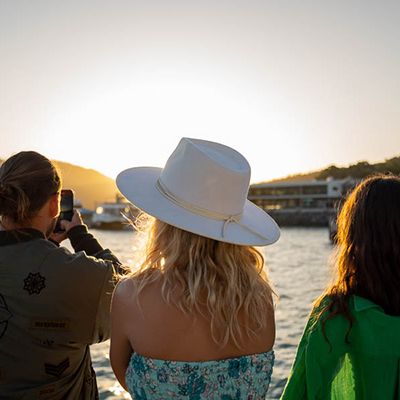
(66, 208)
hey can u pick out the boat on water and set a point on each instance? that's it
(86, 214)
(113, 215)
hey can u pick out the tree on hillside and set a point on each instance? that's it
(392, 165)
(362, 169)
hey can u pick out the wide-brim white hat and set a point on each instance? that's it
(201, 189)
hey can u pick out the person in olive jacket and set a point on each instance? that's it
(53, 303)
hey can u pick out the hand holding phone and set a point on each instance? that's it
(76, 220)
(67, 208)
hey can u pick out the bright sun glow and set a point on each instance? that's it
(139, 122)
(119, 87)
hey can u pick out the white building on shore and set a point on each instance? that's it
(310, 202)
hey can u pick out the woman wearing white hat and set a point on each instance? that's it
(197, 319)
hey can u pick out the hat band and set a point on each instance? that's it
(203, 212)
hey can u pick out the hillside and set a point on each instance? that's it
(90, 187)
(298, 177)
(362, 169)
(358, 170)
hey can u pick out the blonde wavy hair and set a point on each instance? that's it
(225, 282)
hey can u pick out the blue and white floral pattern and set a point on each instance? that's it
(245, 377)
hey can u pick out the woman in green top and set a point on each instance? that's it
(350, 348)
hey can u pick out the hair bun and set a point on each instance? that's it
(27, 180)
(3, 188)
(3, 197)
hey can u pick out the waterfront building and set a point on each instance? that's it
(308, 203)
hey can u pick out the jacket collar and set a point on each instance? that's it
(20, 235)
(361, 304)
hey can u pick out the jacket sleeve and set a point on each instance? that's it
(85, 281)
(82, 240)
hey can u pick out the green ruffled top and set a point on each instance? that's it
(367, 366)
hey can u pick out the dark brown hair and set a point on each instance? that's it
(368, 259)
(27, 181)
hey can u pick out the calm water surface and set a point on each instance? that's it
(299, 268)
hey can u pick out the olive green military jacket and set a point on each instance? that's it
(53, 305)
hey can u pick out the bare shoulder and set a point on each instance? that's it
(124, 294)
(127, 295)
(124, 308)
(125, 288)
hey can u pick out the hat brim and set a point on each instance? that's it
(255, 227)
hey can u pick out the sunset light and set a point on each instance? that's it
(180, 182)
(288, 89)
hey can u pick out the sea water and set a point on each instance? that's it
(298, 266)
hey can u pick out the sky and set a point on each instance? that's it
(293, 85)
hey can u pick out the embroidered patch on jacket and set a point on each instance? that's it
(43, 342)
(34, 283)
(5, 315)
(56, 370)
(50, 324)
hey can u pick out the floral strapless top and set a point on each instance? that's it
(244, 377)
